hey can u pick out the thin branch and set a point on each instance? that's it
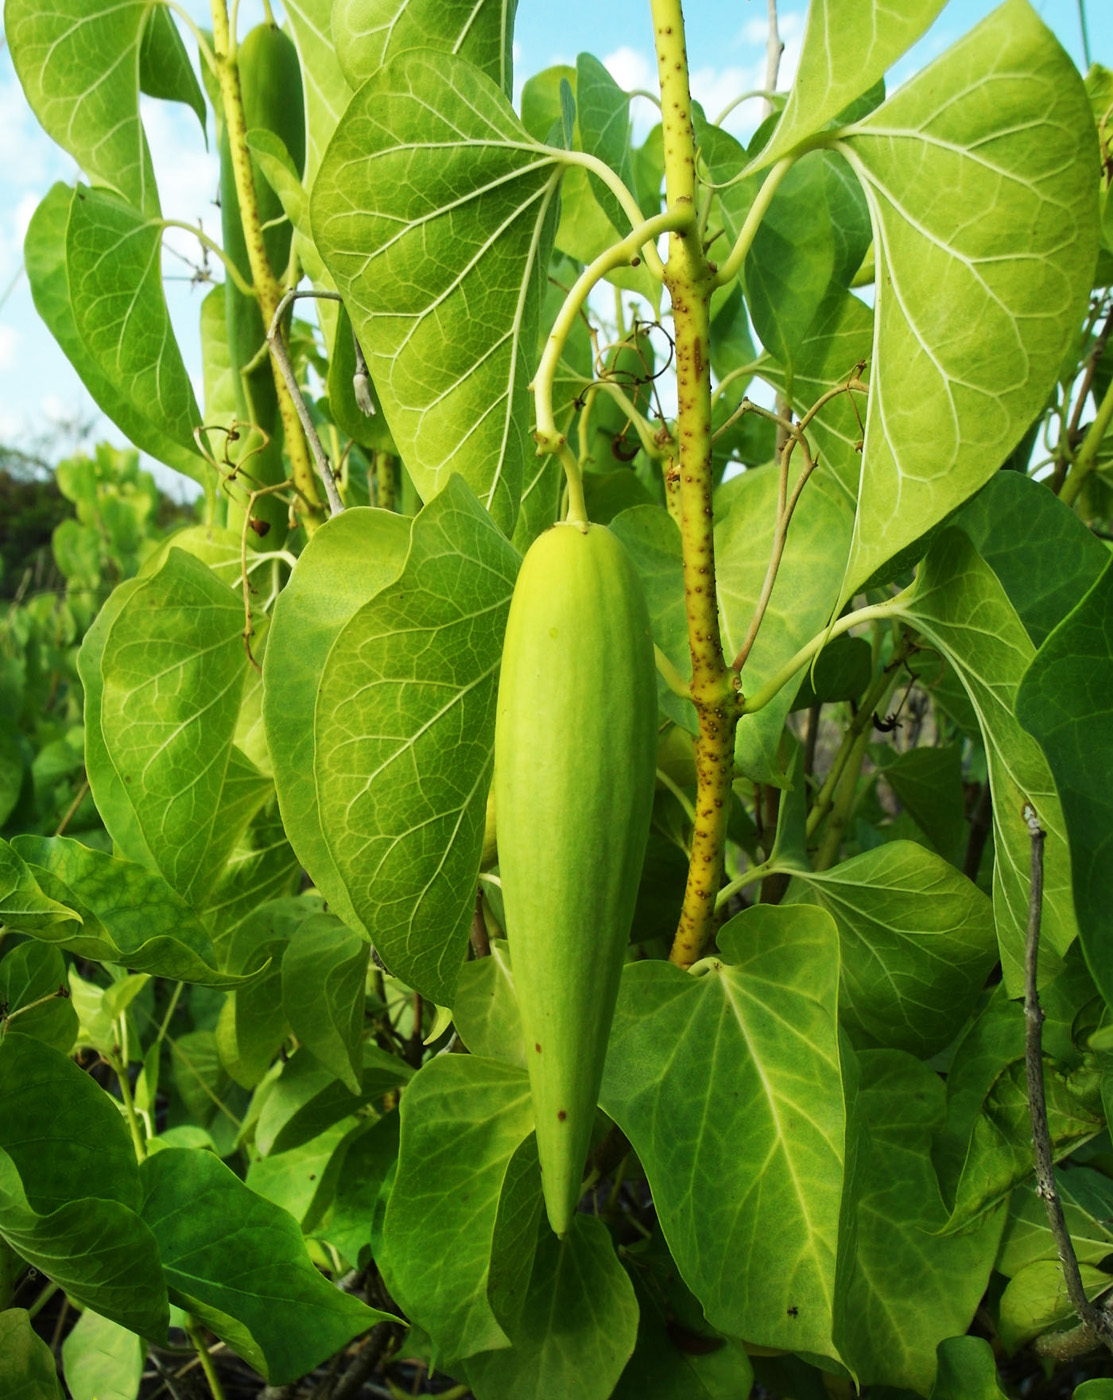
(282, 359)
(71, 810)
(369, 1356)
(1096, 1320)
(774, 48)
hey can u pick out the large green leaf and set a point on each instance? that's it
(173, 669)
(1041, 551)
(746, 1162)
(911, 1287)
(810, 243)
(1066, 701)
(258, 1276)
(959, 606)
(463, 1118)
(79, 63)
(917, 942)
(307, 1098)
(129, 914)
(404, 736)
(27, 1369)
(69, 1187)
(847, 48)
(837, 341)
(369, 33)
(807, 579)
(324, 974)
(434, 211)
(45, 255)
(974, 315)
(577, 1327)
(343, 566)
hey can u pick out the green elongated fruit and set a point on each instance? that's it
(575, 761)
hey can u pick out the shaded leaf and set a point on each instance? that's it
(486, 1009)
(577, 1328)
(1041, 551)
(26, 1364)
(258, 1274)
(463, 1118)
(324, 973)
(967, 1371)
(1064, 700)
(910, 1287)
(1035, 1300)
(129, 914)
(69, 1187)
(114, 266)
(958, 605)
(800, 603)
(30, 972)
(917, 942)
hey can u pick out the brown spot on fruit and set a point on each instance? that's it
(561, 1115)
(537, 1048)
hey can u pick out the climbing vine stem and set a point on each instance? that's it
(690, 281)
(267, 287)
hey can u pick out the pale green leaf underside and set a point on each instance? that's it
(434, 211)
(343, 566)
(114, 266)
(45, 254)
(848, 46)
(326, 90)
(404, 736)
(959, 606)
(979, 177)
(369, 33)
(79, 66)
(729, 1087)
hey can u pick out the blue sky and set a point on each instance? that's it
(726, 50)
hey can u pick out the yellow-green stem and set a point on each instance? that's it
(1087, 454)
(266, 285)
(690, 281)
(193, 1330)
